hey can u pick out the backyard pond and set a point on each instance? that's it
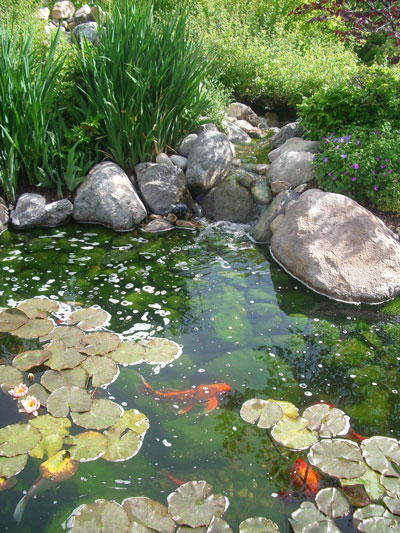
(239, 321)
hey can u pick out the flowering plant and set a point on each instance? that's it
(18, 391)
(30, 405)
(363, 164)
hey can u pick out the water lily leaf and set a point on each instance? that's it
(102, 414)
(36, 327)
(370, 480)
(379, 525)
(11, 466)
(102, 370)
(192, 504)
(38, 307)
(39, 393)
(133, 420)
(184, 529)
(12, 319)
(218, 525)
(370, 511)
(70, 335)
(87, 446)
(332, 502)
(380, 453)
(61, 357)
(66, 399)
(337, 458)
(7, 483)
(99, 343)
(304, 516)
(31, 358)
(48, 425)
(17, 439)
(393, 504)
(258, 524)
(122, 448)
(128, 353)
(53, 379)
(59, 467)
(324, 526)
(266, 413)
(391, 484)
(10, 376)
(356, 494)
(90, 318)
(102, 515)
(289, 409)
(149, 513)
(49, 445)
(328, 421)
(159, 351)
(294, 434)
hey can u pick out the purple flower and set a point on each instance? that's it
(373, 171)
(376, 187)
(326, 159)
(333, 177)
(355, 165)
(378, 158)
(358, 141)
(383, 166)
(344, 173)
(330, 173)
(343, 155)
(390, 171)
(347, 139)
(353, 178)
(337, 147)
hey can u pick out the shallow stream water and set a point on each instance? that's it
(241, 320)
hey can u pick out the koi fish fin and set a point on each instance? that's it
(146, 385)
(186, 409)
(20, 508)
(211, 404)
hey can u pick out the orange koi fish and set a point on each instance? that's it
(355, 436)
(301, 476)
(174, 480)
(209, 393)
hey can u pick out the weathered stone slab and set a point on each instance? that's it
(229, 201)
(293, 167)
(295, 144)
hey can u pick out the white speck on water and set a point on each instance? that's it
(166, 443)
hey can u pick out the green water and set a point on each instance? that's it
(241, 320)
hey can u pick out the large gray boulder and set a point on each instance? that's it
(293, 167)
(261, 231)
(4, 215)
(162, 185)
(338, 248)
(293, 129)
(295, 144)
(209, 159)
(31, 211)
(107, 197)
(237, 135)
(87, 31)
(243, 112)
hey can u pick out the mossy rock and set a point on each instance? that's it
(371, 414)
(365, 376)
(393, 331)
(297, 321)
(297, 301)
(392, 308)
(326, 332)
(261, 295)
(349, 353)
(5, 237)
(230, 316)
(372, 338)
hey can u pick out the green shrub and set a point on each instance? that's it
(364, 164)
(367, 99)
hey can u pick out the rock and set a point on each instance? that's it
(63, 10)
(272, 119)
(260, 168)
(209, 160)
(257, 133)
(261, 192)
(261, 231)
(163, 159)
(206, 127)
(243, 112)
(83, 14)
(58, 212)
(300, 188)
(279, 186)
(72, 25)
(187, 144)
(4, 215)
(245, 178)
(188, 224)
(97, 14)
(172, 218)
(236, 134)
(179, 161)
(158, 225)
(296, 144)
(43, 13)
(88, 31)
(236, 162)
(293, 167)
(244, 125)
(31, 211)
(293, 129)
(338, 248)
(277, 222)
(161, 186)
(108, 197)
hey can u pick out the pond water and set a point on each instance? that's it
(241, 320)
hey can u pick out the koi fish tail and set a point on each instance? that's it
(146, 388)
(20, 508)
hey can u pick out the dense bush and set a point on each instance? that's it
(364, 164)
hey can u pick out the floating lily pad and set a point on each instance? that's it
(48, 425)
(49, 446)
(122, 447)
(66, 399)
(306, 515)
(393, 504)
(391, 484)
(133, 420)
(70, 335)
(266, 413)
(90, 318)
(53, 379)
(63, 358)
(12, 319)
(375, 518)
(288, 408)
(99, 343)
(59, 467)
(87, 446)
(192, 504)
(370, 480)
(38, 307)
(102, 370)
(102, 515)
(328, 421)
(17, 439)
(337, 458)
(10, 377)
(7, 483)
(11, 466)
(27, 360)
(102, 414)
(218, 525)
(128, 353)
(324, 526)
(35, 327)
(258, 524)
(149, 513)
(332, 502)
(294, 434)
(380, 452)
(356, 494)
(39, 393)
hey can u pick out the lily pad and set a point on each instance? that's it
(59, 467)
(288, 408)
(306, 515)
(149, 513)
(35, 327)
(53, 379)
(128, 353)
(258, 524)
(332, 502)
(38, 307)
(328, 421)
(10, 376)
(337, 458)
(102, 370)
(27, 360)
(159, 351)
(11, 466)
(17, 439)
(393, 504)
(87, 446)
(370, 480)
(265, 413)
(90, 318)
(12, 319)
(192, 504)
(356, 494)
(61, 357)
(48, 425)
(294, 434)
(324, 526)
(70, 335)
(102, 515)
(380, 453)
(133, 420)
(49, 445)
(99, 343)
(391, 484)
(39, 393)
(218, 525)
(66, 399)
(122, 447)
(102, 414)
(375, 518)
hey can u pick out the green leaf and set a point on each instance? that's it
(149, 513)
(393, 504)
(39, 393)
(122, 447)
(102, 515)
(90, 318)
(328, 421)
(66, 399)
(49, 445)
(17, 439)
(99, 343)
(294, 434)
(70, 335)
(332, 502)
(265, 413)
(370, 480)
(38, 307)
(87, 446)
(102, 414)
(380, 453)
(128, 353)
(36, 327)
(27, 360)
(391, 484)
(159, 351)
(53, 380)
(61, 357)
(133, 420)
(48, 425)
(11, 466)
(102, 370)
(59, 467)
(304, 516)
(338, 458)
(12, 319)
(218, 525)
(9, 376)
(258, 524)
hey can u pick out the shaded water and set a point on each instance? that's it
(241, 320)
